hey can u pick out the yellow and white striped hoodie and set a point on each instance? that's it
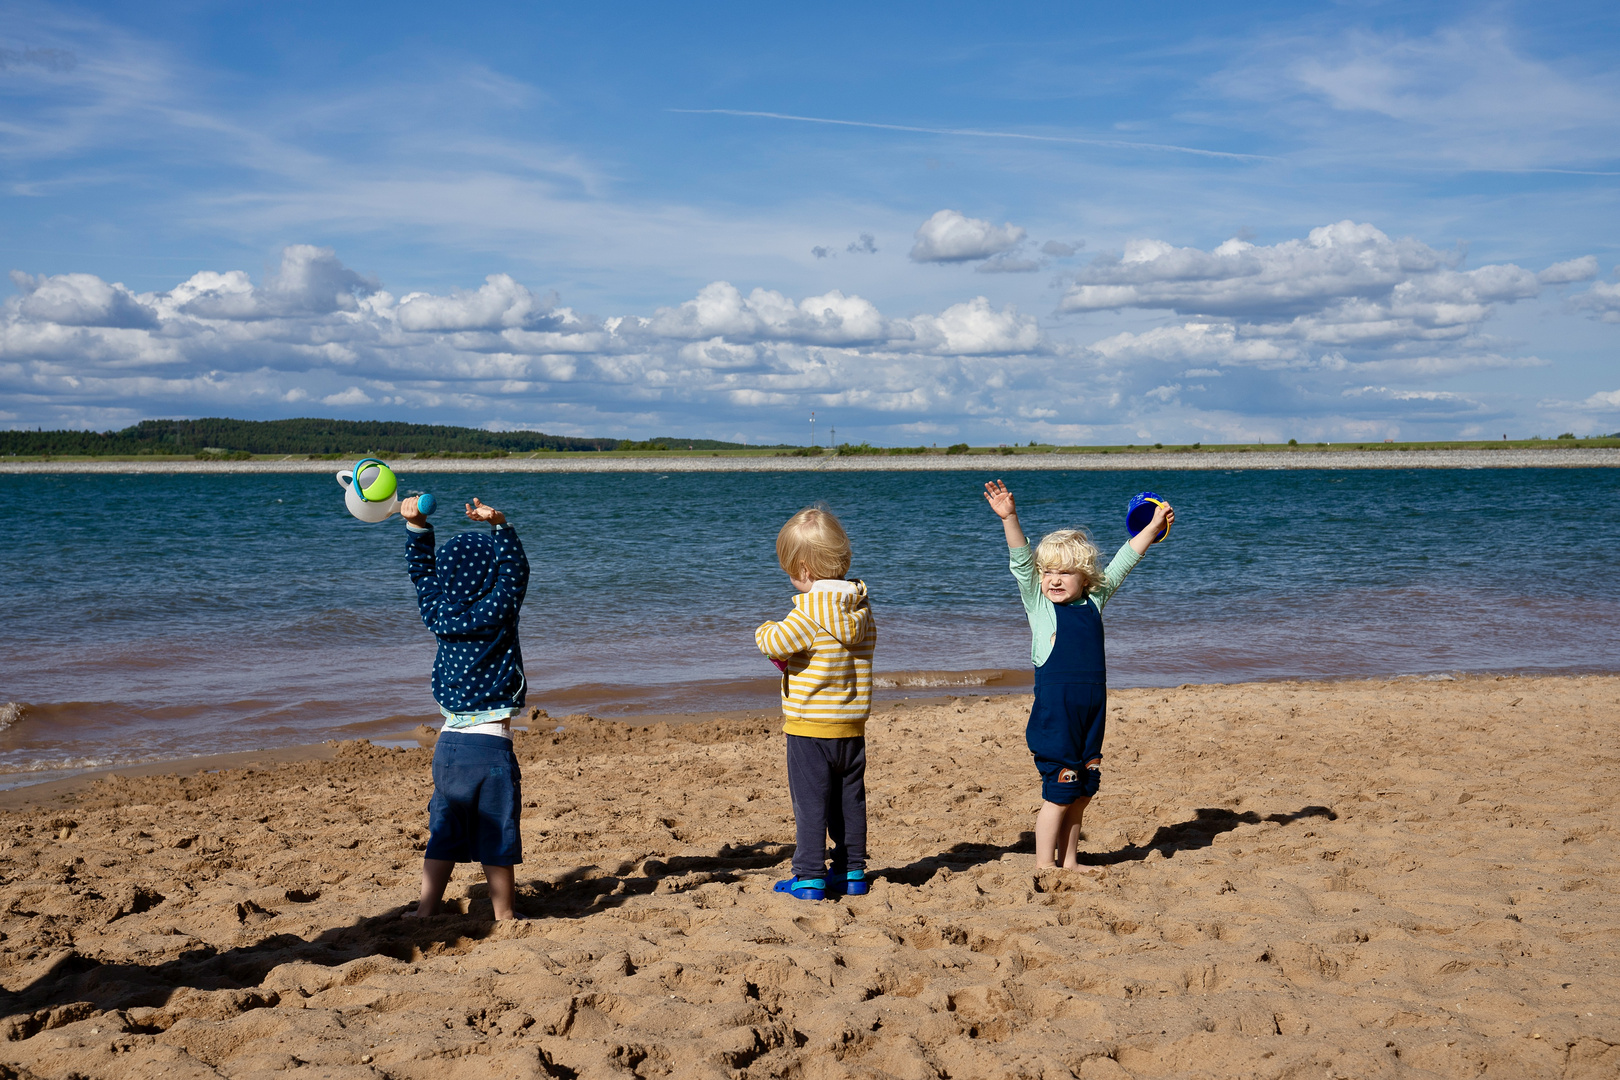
(826, 643)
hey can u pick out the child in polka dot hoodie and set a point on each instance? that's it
(469, 597)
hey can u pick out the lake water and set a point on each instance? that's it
(153, 617)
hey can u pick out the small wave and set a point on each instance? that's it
(902, 680)
(10, 713)
(67, 765)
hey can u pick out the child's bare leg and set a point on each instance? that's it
(502, 890)
(1073, 815)
(1049, 837)
(435, 876)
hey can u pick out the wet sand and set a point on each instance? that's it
(1358, 879)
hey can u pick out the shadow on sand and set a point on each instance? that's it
(1198, 832)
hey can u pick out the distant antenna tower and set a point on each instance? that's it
(812, 428)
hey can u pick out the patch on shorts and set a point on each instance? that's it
(1067, 776)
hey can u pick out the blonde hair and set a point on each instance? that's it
(813, 539)
(1070, 551)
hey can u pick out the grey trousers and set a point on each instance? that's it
(827, 781)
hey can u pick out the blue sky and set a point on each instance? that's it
(1071, 222)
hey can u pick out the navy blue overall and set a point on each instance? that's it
(1071, 705)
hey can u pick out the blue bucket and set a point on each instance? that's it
(1139, 514)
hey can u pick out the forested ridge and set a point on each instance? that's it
(313, 436)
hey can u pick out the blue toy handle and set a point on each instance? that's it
(424, 504)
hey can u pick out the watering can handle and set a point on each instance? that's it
(345, 477)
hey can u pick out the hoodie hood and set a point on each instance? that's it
(466, 568)
(838, 607)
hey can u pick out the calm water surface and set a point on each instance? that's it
(161, 616)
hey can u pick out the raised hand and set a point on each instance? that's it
(1000, 499)
(477, 511)
(409, 512)
(1163, 517)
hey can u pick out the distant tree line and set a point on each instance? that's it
(304, 436)
(316, 437)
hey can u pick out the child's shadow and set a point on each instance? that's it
(1207, 823)
(1199, 832)
(589, 889)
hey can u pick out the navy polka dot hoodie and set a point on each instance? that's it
(469, 597)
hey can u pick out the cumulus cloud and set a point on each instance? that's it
(1363, 337)
(501, 302)
(1602, 300)
(1584, 268)
(1344, 285)
(309, 281)
(950, 236)
(976, 328)
(1604, 399)
(721, 310)
(80, 300)
(1060, 249)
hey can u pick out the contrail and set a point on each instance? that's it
(979, 134)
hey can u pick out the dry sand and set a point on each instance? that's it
(1360, 879)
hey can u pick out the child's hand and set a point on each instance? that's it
(408, 511)
(1000, 499)
(477, 511)
(1163, 517)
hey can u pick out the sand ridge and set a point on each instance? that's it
(1357, 879)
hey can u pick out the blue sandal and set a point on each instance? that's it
(855, 883)
(810, 888)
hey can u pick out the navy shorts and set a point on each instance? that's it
(477, 799)
(1067, 723)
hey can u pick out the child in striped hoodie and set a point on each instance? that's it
(824, 648)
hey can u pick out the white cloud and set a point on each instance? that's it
(1218, 342)
(79, 300)
(1584, 268)
(310, 281)
(721, 310)
(1604, 399)
(500, 303)
(316, 332)
(1602, 300)
(1344, 286)
(950, 236)
(975, 328)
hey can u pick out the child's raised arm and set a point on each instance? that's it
(1001, 501)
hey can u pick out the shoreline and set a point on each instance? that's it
(697, 461)
(540, 722)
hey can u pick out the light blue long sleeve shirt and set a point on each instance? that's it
(1042, 612)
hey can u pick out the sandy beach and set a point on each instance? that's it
(1359, 879)
(1583, 458)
